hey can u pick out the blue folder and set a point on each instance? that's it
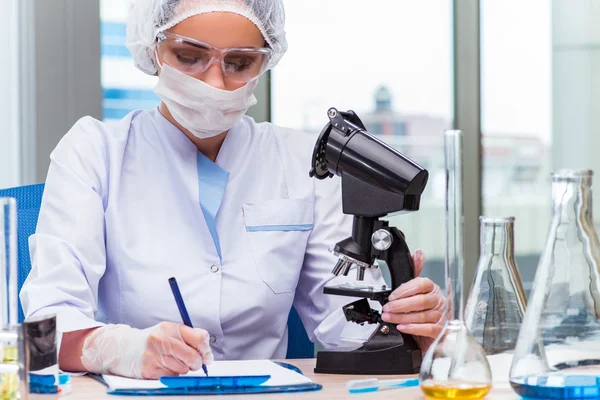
(197, 386)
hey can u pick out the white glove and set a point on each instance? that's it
(164, 350)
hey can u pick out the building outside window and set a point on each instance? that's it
(125, 88)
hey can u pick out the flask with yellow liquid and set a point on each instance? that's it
(9, 368)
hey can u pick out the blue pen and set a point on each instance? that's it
(182, 309)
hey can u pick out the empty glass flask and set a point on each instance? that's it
(497, 301)
(558, 349)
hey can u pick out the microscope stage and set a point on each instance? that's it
(372, 292)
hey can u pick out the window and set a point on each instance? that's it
(516, 121)
(10, 100)
(539, 104)
(125, 87)
(391, 63)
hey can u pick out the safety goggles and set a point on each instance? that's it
(240, 65)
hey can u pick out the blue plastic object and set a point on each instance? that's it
(29, 200)
(42, 380)
(212, 391)
(38, 389)
(64, 379)
(558, 387)
(43, 384)
(309, 387)
(214, 382)
(373, 384)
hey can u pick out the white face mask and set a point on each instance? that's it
(200, 108)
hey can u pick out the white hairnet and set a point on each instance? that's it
(147, 18)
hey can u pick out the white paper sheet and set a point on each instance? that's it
(279, 376)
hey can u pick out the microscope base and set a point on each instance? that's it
(389, 353)
(392, 361)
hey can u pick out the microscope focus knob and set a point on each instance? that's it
(381, 240)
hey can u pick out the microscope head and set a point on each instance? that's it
(376, 178)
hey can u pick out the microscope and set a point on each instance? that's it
(377, 180)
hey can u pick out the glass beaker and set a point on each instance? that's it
(497, 301)
(9, 367)
(455, 365)
(558, 349)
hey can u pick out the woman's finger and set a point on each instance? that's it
(412, 288)
(424, 317)
(194, 337)
(420, 302)
(174, 365)
(188, 355)
(157, 365)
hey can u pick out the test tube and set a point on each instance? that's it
(454, 224)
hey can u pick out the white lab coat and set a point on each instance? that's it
(123, 212)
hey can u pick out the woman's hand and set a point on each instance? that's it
(165, 349)
(417, 307)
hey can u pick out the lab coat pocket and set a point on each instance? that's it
(278, 232)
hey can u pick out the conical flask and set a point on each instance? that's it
(455, 365)
(558, 349)
(497, 301)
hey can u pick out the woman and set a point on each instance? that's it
(197, 191)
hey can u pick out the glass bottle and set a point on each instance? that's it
(455, 366)
(558, 349)
(497, 300)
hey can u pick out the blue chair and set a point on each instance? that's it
(29, 199)
(299, 345)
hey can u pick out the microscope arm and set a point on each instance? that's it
(400, 264)
(398, 258)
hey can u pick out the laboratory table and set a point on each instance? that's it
(334, 387)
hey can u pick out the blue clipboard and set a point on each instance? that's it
(183, 386)
(212, 382)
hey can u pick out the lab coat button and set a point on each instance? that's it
(214, 269)
(213, 339)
